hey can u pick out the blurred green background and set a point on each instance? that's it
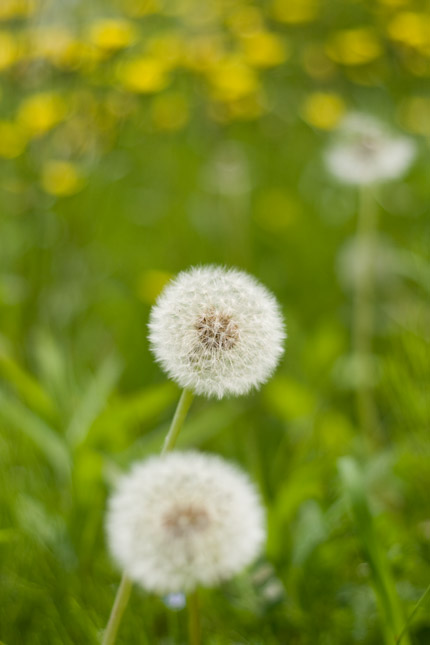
(137, 138)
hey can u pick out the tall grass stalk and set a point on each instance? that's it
(390, 609)
(124, 589)
(363, 314)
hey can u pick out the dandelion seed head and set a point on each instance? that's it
(366, 152)
(182, 520)
(217, 331)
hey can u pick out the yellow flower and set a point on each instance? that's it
(143, 75)
(170, 111)
(8, 50)
(263, 49)
(40, 112)
(354, 46)
(231, 79)
(50, 42)
(61, 178)
(413, 29)
(17, 8)
(323, 110)
(295, 11)
(12, 140)
(111, 35)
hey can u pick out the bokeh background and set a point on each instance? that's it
(137, 138)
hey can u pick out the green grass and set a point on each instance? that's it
(348, 551)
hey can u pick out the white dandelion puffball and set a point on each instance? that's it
(365, 152)
(217, 331)
(182, 520)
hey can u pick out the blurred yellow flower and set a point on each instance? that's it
(413, 29)
(295, 11)
(112, 34)
(17, 8)
(170, 111)
(323, 110)
(143, 75)
(8, 49)
(263, 49)
(232, 79)
(414, 115)
(52, 42)
(40, 112)
(151, 284)
(354, 46)
(12, 140)
(61, 178)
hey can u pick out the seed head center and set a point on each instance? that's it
(217, 330)
(183, 520)
(369, 145)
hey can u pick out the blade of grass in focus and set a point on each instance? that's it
(390, 608)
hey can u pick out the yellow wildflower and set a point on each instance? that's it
(61, 178)
(112, 34)
(52, 42)
(323, 110)
(143, 75)
(40, 112)
(10, 9)
(263, 49)
(8, 50)
(12, 140)
(232, 79)
(411, 28)
(354, 46)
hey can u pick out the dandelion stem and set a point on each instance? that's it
(193, 619)
(363, 314)
(178, 420)
(124, 589)
(121, 600)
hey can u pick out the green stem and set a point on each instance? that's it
(124, 589)
(411, 615)
(193, 618)
(178, 420)
(121, 600)
(367, 224)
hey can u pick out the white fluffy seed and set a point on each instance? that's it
(183, 520)
(217, 331)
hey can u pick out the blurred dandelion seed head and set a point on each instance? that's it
(184, 519)
(365, 152)
(217, 331)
